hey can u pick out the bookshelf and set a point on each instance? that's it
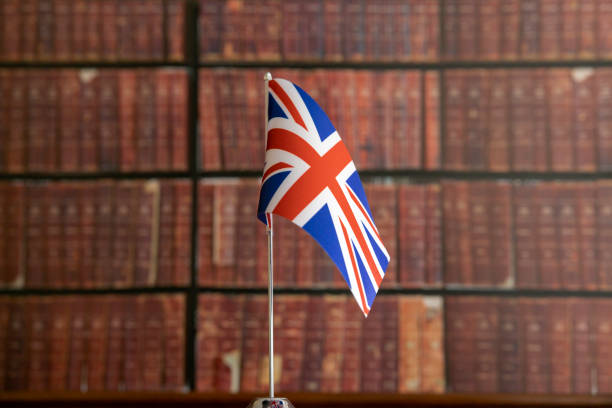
(195, 175)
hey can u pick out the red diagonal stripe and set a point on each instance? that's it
(355, 270)
(363, 212)
(286, 100)
(277, 166)
(283, 139)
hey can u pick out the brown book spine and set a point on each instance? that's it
(292, 342)
(351, 373)
(152, 364)
(568, 238)
(521, 111)
(242, 159)
(145, 121)
(250, 231)
(206, 234)
(5, 113)
(209, 334)
(267, 40)
(71, 230)
(290, 39)
(175, 15)
(432, 120)
(583, 363)
(77, 362)
(411, 233)
(467, 29)
(182, 232)
(449, 197)
(410, 144)
(69, 121)
(451, 29)
(228, 359)
(432, 343)
(93, 31)
(486, 345)
(109, 30)
(586, 196)
(385, 214)
(209, 130)
(604, 25)
(109, 121)
(560, 346)
(36, 129)
(127, 116)
(454, 137)
(354, 31)
(604, 119)
(125, 39)
(489, 29)
(12, 35)
(254, 319)
(174, 346)
(390, 346)
(115, 344)
(155, 21)
(500, 224)
(178, 114)
(526, 238)
(97, 346)
(372, 337)
(5, 317)
(584, 118)
(78, 18)
(88, 209)
(224, 233)
(477, 85)
(38, 353)
(103, 247)
(17, 346)
(124, 241)
(210, 23)
(529, 34)
(146, 234)
(550, 29)
(604, 232)
(18, 115)
(29, 15)
(409, 344)
(90, 120)
(433, 235)
(59, 343)
(333, 24)
(570, 31)
(331, 365)
(460, 342)
(510, 12)
(37, 196)
(163, 124)
(54, 236)
(141, 31)
(45, 42)
(480, 233)
(402, 25)
(17, 213)
(587, 17)
(133, 342)
(167, 215)
(466, 259)
(511, 372)
(535, 328)
(4, 272)
(560, 107)
(314, 341)
(546, 199)
(600, 332)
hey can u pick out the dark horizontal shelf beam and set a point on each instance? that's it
(92, 64)
(94, 175)
(423, 65)
(93, 291)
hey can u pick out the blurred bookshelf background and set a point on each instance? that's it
(132, 267)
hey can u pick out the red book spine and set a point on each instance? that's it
(206, 234)
(486, 345)
(530, 29)
(5, 316)
(432, 340)
(410, 144)
(467, 28)
(155, 18)
(175, 15)
(451, 29)
(209, 130)
(525, 222)
(588, 19)
(460, 339)
(133, 340)
(373, 27)
(109, 121)
(174, 345)
(351, 373)
(292, 342)
(38, 353)
(227, 362)
(454, 138)
(600, 332)
(147, 228)
(433, 235)
(510, 12)
(4, 272)
(153, 350)
(103, 247)
(36, 128)
(267, 30)
(90, 120)
(584, 119)
(477, 85)
(116, 329)
(242, 158)
(314, 341)
(398, 105)
(604, 20)
(402, 24)
(522, 132)
(123, 238)
(109, 30)
(127, 116)
(511, 372)
(466, 259)
(182, 232)
(125, 40)
(583, 363)
(560, 107)
(54, 236)
(333, 355)
(480, 233)
(354, 31)
(560, 346)
(432, 33)
(333, 28)
(45, 43)
(570, 32)
(432, 120)
(210, 23)
(69, 121)
(548, 245)
(489, 29)
(78, 17)
(5, 111)
(88, 210)
(451, 232)
(12, 35)
(209, 334)
(372, 336)
(568, 238)
(586, 196)
(389, 349)
(167, 215)
(17, 346)
(383, 117)
(93, 30)
(385, 214)
(18, 115)
(145, 121)
(59, 343)
(500, 224)
(290, 38)
(77, 363)
(163, 125)
(254, 319)
(604, 232)
(37, 197)
(98, 343)
(141, 31)
(178, 113)
(410, 332)
(550, 29)
(225, 207)
(254, 104)
(535, 329)
(305, 268)
(29, 13)
(604, 119)
(246, 248)
(412, 241)
(16, 234)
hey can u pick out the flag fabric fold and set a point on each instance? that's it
(310, 179)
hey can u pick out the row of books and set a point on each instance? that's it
(322, 344)
(336, 30)
(526, 29)
(87, 343)
(533, 346)
(387, 119)
(92, 30)
(93, 120)
(86, 235)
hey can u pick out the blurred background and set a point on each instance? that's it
(131, 145)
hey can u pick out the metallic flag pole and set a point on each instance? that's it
(271, 401)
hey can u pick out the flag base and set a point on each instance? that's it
(270, 403)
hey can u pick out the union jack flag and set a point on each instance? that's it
(310, 179)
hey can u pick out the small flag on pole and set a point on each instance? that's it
(310, 179)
